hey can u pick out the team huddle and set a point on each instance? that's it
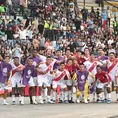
(52, 78)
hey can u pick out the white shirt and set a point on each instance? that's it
(44, 67)
(112, 73)
(58, 73)
(23, 34)
(16, 75)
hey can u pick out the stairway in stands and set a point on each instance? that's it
(90, 3)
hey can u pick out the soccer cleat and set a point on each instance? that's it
(105, 100)
(50, 101)
(5, 103)
(41, 101)
(60, 101)
(44, 101)
(22, 103)
(65, 101)
(108, 101)
(70, 101)
(54, 102)
(13, 103)
(86, 101)
(97, 100)
(101, 101)
(78, 101)
(34, 102)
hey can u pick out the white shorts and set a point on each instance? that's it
(15, 81)
(44, 82)
(31, 82)
(61, 84)
(68, 82)
(35, 79)
(3, 86)
(102, 85)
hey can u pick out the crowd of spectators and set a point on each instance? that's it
(54, 24)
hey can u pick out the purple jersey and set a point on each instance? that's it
(56, 65)
(36, 60)
(102, 58)
(81, 79)
(4, 71)
(28, 73)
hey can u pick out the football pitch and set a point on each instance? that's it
(91, 110)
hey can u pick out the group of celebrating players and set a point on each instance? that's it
(51, 78)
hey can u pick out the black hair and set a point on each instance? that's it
(81, 64)
(16, 58)
(58, 51)
(30, 58)
(98, 66)
(86, 48)
(100, 48)
(70, 59)
(112, 53)
(49, 56)
(62, 63)
(79, 51)
(6, 56)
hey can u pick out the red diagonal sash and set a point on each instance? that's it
(112, 66)
(59, 78)
(92, 67)
(13, 72)
(47, 70)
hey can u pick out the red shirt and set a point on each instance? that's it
(102, 77)
(75, 68)
(70, 69)
(80, 60)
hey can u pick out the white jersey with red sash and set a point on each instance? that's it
(112, 68)
(91, 67)
(46, 68)
(61, 75)
(15, 74)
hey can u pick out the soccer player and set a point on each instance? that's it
(5, 73)
(36, 62)
(112, 67)
(82, 83)
(116, 83)
(69, 67)
(45, 77)
(91, 65)
(79, 57)
(16, 76)
(101, 55)
(59, 59)
(59, 81)
(103, 80)
(28, 80)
